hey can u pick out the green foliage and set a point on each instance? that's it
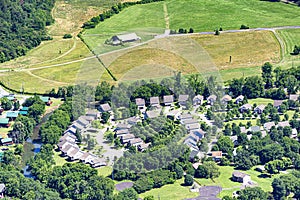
(67, 36)
(5, 103)
(244, 27)
(23, 26)
(225, 144)
(127, 194)
(255, 193)
(296, 50)
(22, 129)
(188, 180)
(105, 117)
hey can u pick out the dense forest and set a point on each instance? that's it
(23, 26)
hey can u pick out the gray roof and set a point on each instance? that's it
(294, 97)
(198, 98)
(136, 141)
(239, 174)
(247, 106)
(154, 100)
(105, 107)
(127, 136)
(192, 126)
(269, 125)
(152, 114)
(260, 107)
(186, 116)
(226, 98)
(240, 98)
(189, 121)
(254, 128)
(168, 99)
(283, 124)
(123, 126)
(122, 132)
(212, 98)
(277, 103)
(2, 187)
(128, 37)
(140, 102)
(183, 97)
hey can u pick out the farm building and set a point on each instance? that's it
(120, 39)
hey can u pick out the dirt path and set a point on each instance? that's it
(44, 79)
(167, 18)
(281, 43)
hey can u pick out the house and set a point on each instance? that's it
(120, 133)
(84, 157)
(104, 107)
(97, 162)
(189, 121)
(245, 108)
(6, 141)
(76, 155)
(239, 99)
(12, 115)
(191, 127)
(2, 190)
(154, 102)
(277, 103)
(294, 97)
(199, 133)
(174, 114)
(240, 177)
(194, 153)
(23, 111)
(71, 130)
(234, 140)
(46, 100)
(120, 39)
(243, 129)
(151, 114)
(93, 113)
(283, 124)
(72, 152)
(82, 121)
(126, 138)
(198, 100)
(216, 155)
(4, 122)
(193, 137)
(211, 99)
(68, 137)
(135, 142)
(254, 129)
(75, 125)
(185, 116)
(269, 125)
(121, 126)
(140, 103)
(168, 100)
(133, 120)
(191, 143)
(225, 99)
(63, 144)
(260, 109)
(182, 99)
(142, 147)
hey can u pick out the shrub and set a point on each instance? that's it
(67, 36)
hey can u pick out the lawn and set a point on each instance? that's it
(224, 180)
(260, 101)
(59, 161)
(104, 171)
(174, 191)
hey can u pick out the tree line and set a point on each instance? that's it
(23, 26)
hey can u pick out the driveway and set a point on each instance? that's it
(109, 151)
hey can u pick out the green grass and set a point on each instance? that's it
(59, 161)
(291, 38)
(243, 121)
(174, 191)
(260, 101)
(104, 171)
(207, 15)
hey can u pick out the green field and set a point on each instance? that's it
(174, 191)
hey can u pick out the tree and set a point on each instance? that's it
(149, 197)
(271, 152)
(279, 190)
(274, 166)
(127, 194)
(201, 172)
(267, 75)
(225, 144)
(253, 87)
(188, 180)
(105, 117)
(212, 169)
(255, 193)
(67, 36)
(242, 160)
(6, 104)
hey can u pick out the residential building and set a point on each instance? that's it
(185, 116)
(260, 109)
(135, 142)
(140, 103)
(217, 155)
(294, 97)
(152, 114)
(142, 147)
(105, 107)
(168, 100)
(277, 103)
(239, 99)
(183, 99)
(6, 141)
(4, 122)
(198, 100)
(46, 100)
(226, 98)
(211, 99)
(154, 102)
(191, 127)
(269, 125)
(245, 108)
(174, 114)
(283, 124)
(126, 138)
(241, 177)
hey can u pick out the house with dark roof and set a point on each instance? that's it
(183, 99)
(198, 100)
(245, 108)
(140, 103)
(199, 133)
(260, 109)
(154, 102)
(168, 100)
(239, 99)
(104, 107)
(211, 99)
(241, 177)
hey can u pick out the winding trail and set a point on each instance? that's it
(44, 79)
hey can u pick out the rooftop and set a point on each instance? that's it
(12, 114)
(105, 107)
(154, 100)
(168, 99)
(4, 120)
(140, 102)
(239, 174)
(183, 97)
(128, 37)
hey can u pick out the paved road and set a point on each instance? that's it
(109, 151)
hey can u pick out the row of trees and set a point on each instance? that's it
(23, 26)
